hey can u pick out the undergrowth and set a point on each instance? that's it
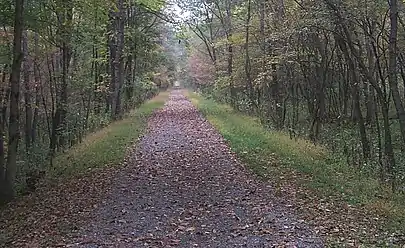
(273, 154)
(107, 146)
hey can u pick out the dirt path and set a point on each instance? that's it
(184, 188)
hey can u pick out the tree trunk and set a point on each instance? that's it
(59, 124)
(3, 101)
(247, 58)
(7, 191)
(112, 47)
(356, 98)
(380, 93)
(129, 84)
(27, 92)
(228, 31)
(66, 57)
(393, 78)
(37, 78)
(388, 149)
(361, 124)
(120, 56)
(392, 68)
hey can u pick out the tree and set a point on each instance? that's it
(7, 189)
(318, 69)
(73, 53)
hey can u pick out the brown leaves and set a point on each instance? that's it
(332, 218)
(42, 218)
(181, 187)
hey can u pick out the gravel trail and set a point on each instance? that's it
(182, 187)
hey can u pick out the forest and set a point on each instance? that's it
(330, 71)
(68, 68)
(106, 103)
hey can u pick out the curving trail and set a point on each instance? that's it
(183, 187)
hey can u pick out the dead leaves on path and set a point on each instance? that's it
(41, 219)
(184, 188)
(181, 187)
(333, 218)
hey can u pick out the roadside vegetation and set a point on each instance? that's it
(77, 182)
(331, 72)
(108, 146)
(68, 69)
(313, 174)
(315, 85)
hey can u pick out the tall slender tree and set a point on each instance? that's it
(13, 131)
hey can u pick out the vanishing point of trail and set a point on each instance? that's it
(184, 188)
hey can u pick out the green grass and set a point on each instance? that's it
(272, 154)
(107, 146)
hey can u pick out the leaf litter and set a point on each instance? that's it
(180, 186)
(183, 187)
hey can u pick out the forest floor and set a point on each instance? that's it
(180, 186)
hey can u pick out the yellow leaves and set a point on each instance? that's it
(235, 39)
(152, 4)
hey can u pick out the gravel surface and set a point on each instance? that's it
(183, 187)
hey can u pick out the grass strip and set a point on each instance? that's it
(272, 155)
(107, 146)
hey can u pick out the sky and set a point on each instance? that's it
(179, 14)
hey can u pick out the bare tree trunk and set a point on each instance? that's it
(381, 94)
(117, 114)
(59, 124)
(392, 68)
(356, 99)
(361, 124)
(3, 101)
(261, 93)
(112, 47)
(96, 77)
(7, 192)
(37, 78)
(393, 78)
(247, 58)
(66, 58)
(27, 92)
(371, 104)
(228, 21)
(129, 87)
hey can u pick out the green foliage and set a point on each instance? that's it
(77, 36)
(107, 146)
(6, 12)
(152, 4)
(220, 89)
(273, 154)
(144, 89)
(296, 67)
